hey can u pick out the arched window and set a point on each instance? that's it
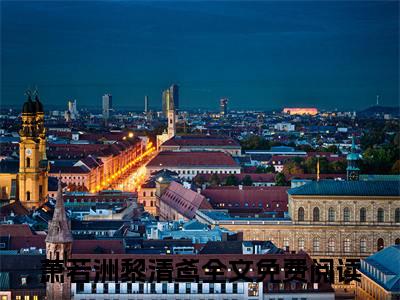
(363, 214)
(397, 215)
(331, 214)
(346, 214)
(28, 162)
(286, 243)
(300, 214)
(380, 244)
(301, 243)
(315, 245)
(380, 216)
(331, 245)
(363, 245)
(28, 196)
(397, 242)
(315, 214)
(346, 246)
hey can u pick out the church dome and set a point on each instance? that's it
(38, 105)
(29, 107)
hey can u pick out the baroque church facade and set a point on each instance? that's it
(29, 183)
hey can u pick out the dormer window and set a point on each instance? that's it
(24, 279)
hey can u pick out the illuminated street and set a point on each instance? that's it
(134, 174)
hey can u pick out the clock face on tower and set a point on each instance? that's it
(28, 151)
(353, 176)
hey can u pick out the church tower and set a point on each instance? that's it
(33, 164)
(171, 123)
(59, 245)
(353, 158)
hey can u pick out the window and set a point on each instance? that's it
(331, 245)
(286, 243)
(346, 214)
(144, 194)
(28, 196)
(380, 244)
(300, 214)
(363, 214)
(346, 245)
(380, 215)
(397, 215)
(315, 244)
(316, 214)
(363, 245)
(301, 243)
(28, 162)
(397, 242)
(331, 214)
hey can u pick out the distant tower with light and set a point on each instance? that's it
(223, 106)
(59, 246)
(146, 104)
(353, 158)
(107, 107)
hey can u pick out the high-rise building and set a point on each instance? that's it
(146, 104)
(174, 94)
(170, 99)
(72, 110)
(223, 104)
(107, 106)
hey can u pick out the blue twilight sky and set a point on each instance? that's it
(262, 55)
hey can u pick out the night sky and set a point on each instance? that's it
(260, 55)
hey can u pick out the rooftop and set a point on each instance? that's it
(192, 159)
(348, 188)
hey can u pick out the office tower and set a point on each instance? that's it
(223, 103)
(174, 94)
(107, 106)
(73, 111)
(146, 104)
(167, 104)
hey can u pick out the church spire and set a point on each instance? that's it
(58, 229)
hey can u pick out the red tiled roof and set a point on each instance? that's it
(255, 177)
(68, 169)
(269, 199)
(183, 200)
(314, 176)
(15, 230)
(15, 207)
(20, 242)
(202, 140)
(192, 159)
(89, 246)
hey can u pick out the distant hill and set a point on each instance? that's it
(377, 109)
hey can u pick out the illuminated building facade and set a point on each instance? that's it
(300, 111)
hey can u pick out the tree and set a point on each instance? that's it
(255, 142)
(396, 167)
(214, 180)
(231, 180)
(263, 169)
(199, 180)
(247, 181)
(280, 179)
(292, 168)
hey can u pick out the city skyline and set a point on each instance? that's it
(260, 55)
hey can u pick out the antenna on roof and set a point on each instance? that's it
(318, 168)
